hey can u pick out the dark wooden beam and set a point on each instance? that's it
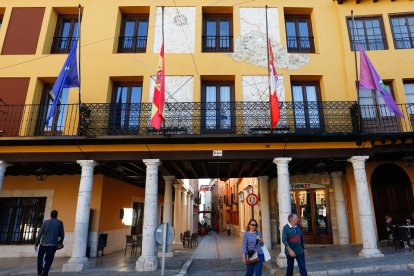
(177, 168)
(189, 166)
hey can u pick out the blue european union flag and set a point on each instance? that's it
(68, 77)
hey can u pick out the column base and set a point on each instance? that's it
(281, 260)
(177, 245)
(147, 263)
(371, 253)
(75, 265)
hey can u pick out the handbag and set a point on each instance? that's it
(252, 257)
(266, 253)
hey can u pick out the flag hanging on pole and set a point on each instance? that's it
(68, 77)
(274, 101)
(369, 79)
(158, 99)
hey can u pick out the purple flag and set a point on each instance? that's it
(369, 79)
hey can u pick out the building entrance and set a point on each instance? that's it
(312, 208)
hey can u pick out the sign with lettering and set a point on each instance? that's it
(217, 153)
(252, 199)
(300, 186)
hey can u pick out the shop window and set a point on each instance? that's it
(369, 32)
(299, 35)
(402, 27)
(20, 219)
(66, 33)
(134, 32)
(217, 33)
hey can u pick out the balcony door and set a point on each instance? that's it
(375, 116)
(56, 124)
(125, 109)
(218, 108)
(307, 107)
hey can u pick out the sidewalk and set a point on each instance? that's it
(344, 260)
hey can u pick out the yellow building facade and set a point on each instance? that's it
(332, 157)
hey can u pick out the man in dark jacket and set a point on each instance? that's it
(50, 236)
(292, 238)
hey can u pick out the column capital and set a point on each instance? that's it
(169, 178)
(336, 174)
(87, 163)
(4, 165)
(177, 186)
(282, 160)
(153, 162)
(358, 161)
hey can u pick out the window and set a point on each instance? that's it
(409, 96)
(218, 107)
(66, 33)
(125, 108)
(299, 35)
(369, 32)
(403, 31)
(374, 113)
(56, 124)
(217, 33)
(20, 219)
(134, 30)
(307, 106)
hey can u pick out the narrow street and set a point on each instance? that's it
(218, 254)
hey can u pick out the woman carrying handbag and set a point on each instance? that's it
(252, 255)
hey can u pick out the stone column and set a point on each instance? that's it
(167, 212)
(264, 205)
(283, 198)
(184, 211)
(192, 214)
(78, 260)
(189, 196)
(341, 217)
(177, 215)
(366, 219)
(148, 261)
(3, 166)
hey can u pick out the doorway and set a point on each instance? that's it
(312, 208)
(392, 194)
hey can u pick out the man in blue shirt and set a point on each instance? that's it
(50, 236)
(292, 238)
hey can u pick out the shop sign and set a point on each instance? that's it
(300, 186)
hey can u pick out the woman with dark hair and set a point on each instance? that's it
(252, 243)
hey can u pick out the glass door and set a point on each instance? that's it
(312, 209)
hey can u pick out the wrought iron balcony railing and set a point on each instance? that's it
(191, 118)
(62, 45)
(300, 44)
(132, 44)
(369, 44)
(217, 43)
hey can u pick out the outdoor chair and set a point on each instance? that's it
(130, 244)
(138, 243)
(186, 239)
(102, 243)
(401, 240)
(194, 240)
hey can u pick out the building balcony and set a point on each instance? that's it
(192, 120)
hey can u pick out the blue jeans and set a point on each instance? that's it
(256, 268)
(301, 264)
(45, 258)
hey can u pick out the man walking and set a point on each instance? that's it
(50, 237)
(292, 238)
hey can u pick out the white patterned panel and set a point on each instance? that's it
(251, 45)
(179, 30)
(256, 89)
(254, 19)
(177, 88)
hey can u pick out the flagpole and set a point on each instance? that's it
(79, 52)
(355, 55)
(268, 70)
(163, 61)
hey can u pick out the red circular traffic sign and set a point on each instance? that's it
(252, 199)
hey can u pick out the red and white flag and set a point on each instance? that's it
(158, 99)
(274, 101)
